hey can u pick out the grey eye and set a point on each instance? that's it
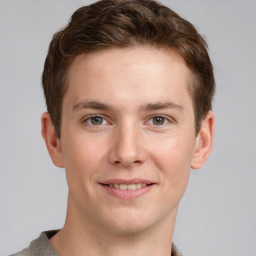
(158, 120)
(97, 120)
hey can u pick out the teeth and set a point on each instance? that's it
(129, 186)
(138, 185)
(123, 186)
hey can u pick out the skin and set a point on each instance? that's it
(147, 131)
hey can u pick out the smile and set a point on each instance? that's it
(133, 186)
(124, 189)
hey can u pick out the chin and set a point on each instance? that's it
(126, 229)
(130, 222)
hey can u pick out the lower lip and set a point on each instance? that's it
(127, 194)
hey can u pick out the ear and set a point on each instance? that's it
(52, 142)
(204, 142)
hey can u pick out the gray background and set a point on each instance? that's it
(217, 213)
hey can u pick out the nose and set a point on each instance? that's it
(127, 149)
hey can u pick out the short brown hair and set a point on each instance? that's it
(127, 23)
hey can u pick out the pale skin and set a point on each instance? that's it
(127, 115)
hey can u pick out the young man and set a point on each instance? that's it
(128, 87)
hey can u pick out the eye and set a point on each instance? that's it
(95, 120)
(158, 120)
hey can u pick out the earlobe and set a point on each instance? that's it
(52, 142)
(204, 142)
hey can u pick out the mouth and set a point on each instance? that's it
(132, 186)
(127, 189)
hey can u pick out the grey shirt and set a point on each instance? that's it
(42, 247)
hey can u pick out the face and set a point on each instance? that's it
(127, 137)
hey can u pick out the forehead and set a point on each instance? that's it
(118, 72)
(136, 57)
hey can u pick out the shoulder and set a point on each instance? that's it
(40, 246)
(24, 252)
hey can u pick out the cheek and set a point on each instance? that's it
(81, 152)
(173, 152)
(173, 158)
(81, 158)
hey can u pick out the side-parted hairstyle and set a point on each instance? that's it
(127, 23)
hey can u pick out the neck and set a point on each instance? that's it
(81, 237)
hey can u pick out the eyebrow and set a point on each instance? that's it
(148, 107)
(161, 105)
(92, 105)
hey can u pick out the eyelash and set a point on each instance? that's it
(88, 120)
(166, 119)
(91, 117)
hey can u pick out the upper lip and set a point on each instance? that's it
(130, 181)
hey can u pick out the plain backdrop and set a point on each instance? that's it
(217, 215)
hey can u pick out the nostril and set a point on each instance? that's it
(126, 154)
